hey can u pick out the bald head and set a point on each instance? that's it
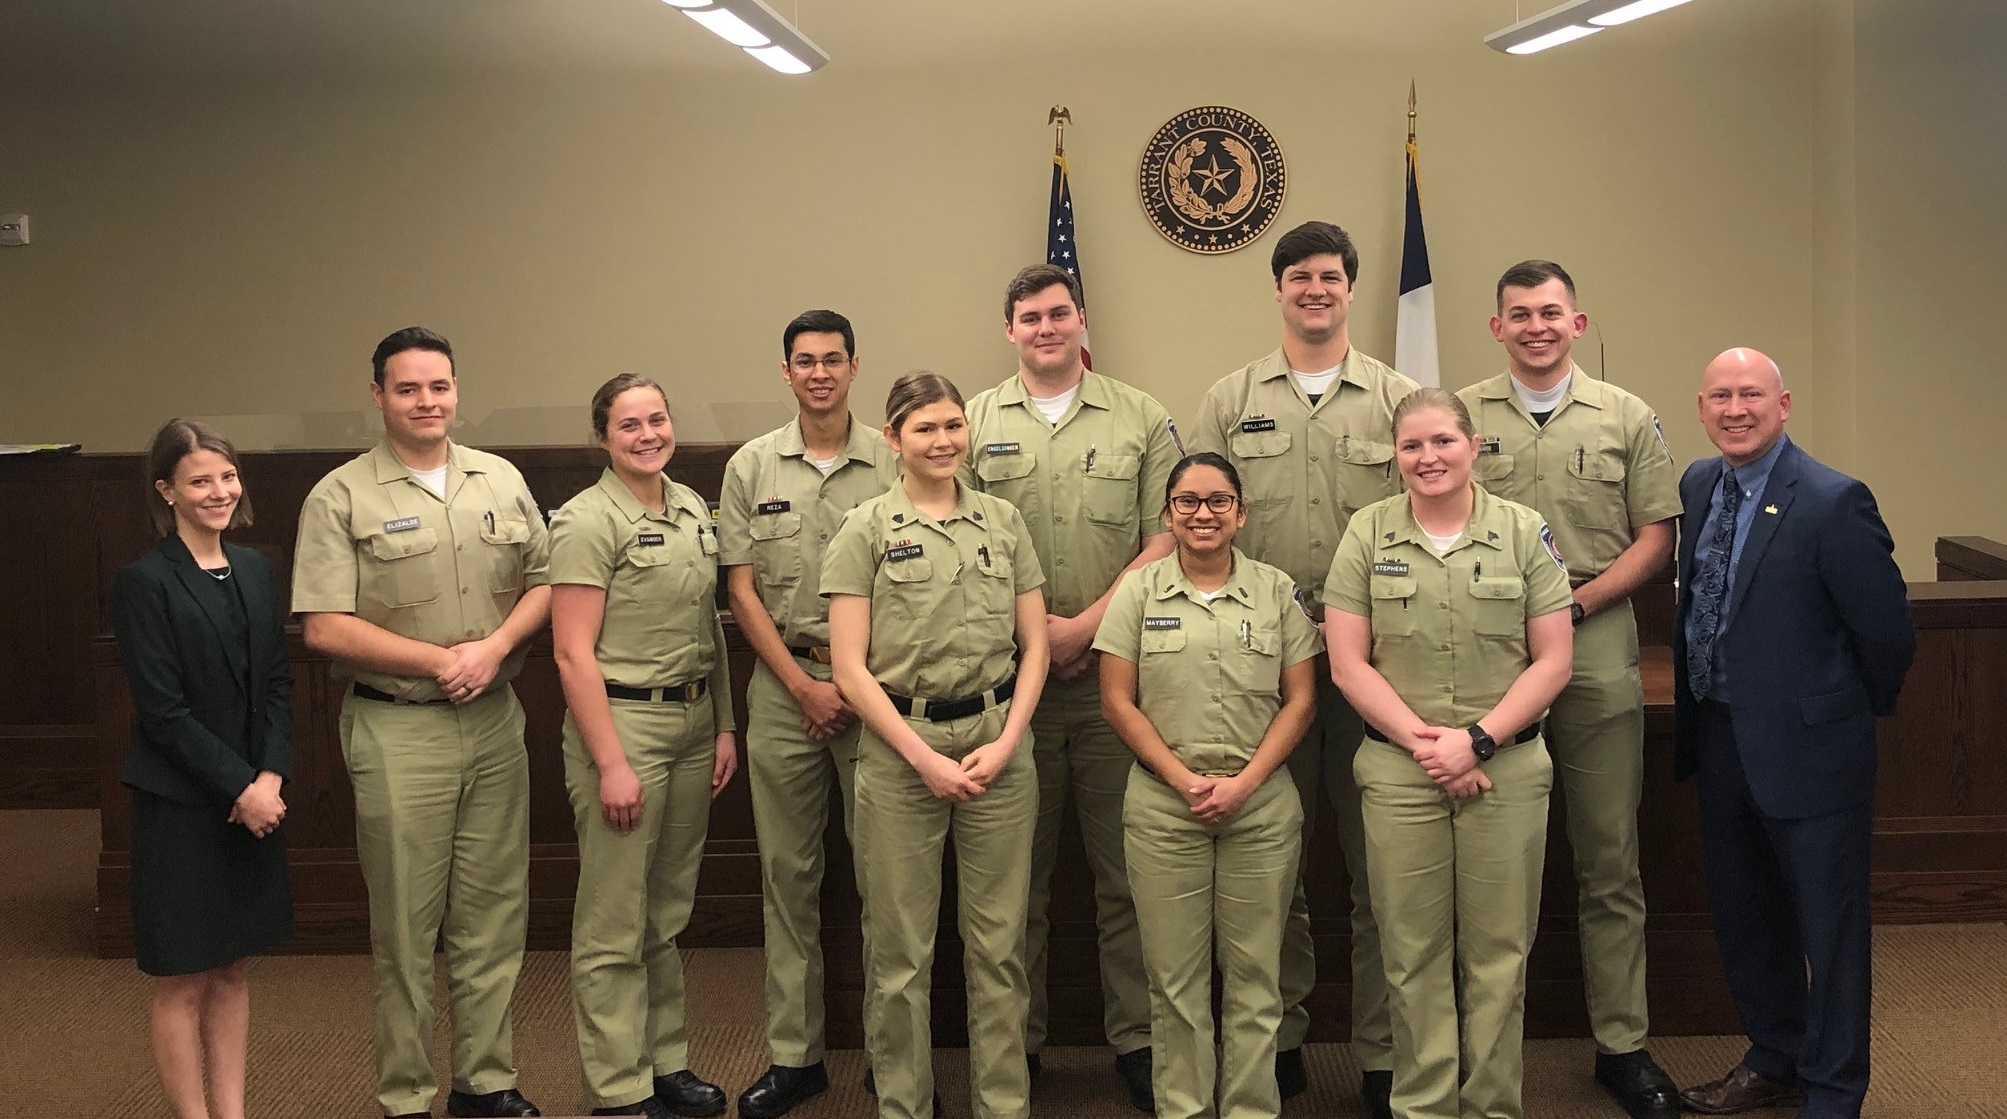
(1743, 404)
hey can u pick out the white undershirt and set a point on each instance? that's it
(1053, 407)
(434, 480)
(1317, 384)
(1442, 544)
(824, 464)
(1543, 401)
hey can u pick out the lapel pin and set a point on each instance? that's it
(1770, 509)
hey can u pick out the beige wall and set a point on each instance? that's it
(232, 248)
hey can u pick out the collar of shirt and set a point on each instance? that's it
(857, 449)
(1093, 393)
(1582, 390)
(1752, 477)
(389, 468)
(1483, 528)
(630, 506)
(1276, 366)
(1171, 582)
(903, 512)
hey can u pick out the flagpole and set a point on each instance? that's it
(1058, 117)
(1412, 169)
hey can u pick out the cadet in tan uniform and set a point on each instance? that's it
(1206, 672)
(1448, 629)
(933, 591)
(648, 742)
(1307, 427)
(1590, 458)
(421, 571)
(785, 494)
(1085, 459)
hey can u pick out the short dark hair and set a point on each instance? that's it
(1036, 278)
(410, 338)
(176, 440)
(818, 322)
(1533, 273)
(1314, 238)
(1201, 458)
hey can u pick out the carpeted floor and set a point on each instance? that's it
(73, 1028)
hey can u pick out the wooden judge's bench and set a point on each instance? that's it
(1941, 818)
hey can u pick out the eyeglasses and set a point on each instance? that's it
(1188, 503)
(804, 363)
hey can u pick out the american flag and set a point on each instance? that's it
(1060, 247)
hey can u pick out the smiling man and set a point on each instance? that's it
(785, 494)
(1086, 459)
(1591, 458)
(422, 569)
(1310, 427)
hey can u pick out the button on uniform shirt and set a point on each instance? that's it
(1449, 631)
(1598, 469)
(660, 575)
(1208, 671)
(943, 593)
(1090, 487)
(778, 512)
(1752, 479)
(1305, 468)
(376, 543)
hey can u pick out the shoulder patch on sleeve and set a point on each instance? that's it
(1302, 601)
(1553, 550)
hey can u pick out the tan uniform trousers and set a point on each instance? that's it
(1198, 885)
(1323, 761)
(1596, 734)
(904, 830)
(791, 776)
(1079, 754)
(634, 895)
(442, 809)
(1456, 885)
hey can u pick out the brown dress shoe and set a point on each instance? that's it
(1743, 1089)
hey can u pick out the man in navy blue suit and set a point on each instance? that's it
(1793, 633)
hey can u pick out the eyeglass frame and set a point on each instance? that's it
(830, 362)
(1211, 501)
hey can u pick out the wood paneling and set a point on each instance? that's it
(1970, 557)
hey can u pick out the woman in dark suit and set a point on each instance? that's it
(200, 634)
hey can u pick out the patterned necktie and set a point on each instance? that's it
(1710, 588)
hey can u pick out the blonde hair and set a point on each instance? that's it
(916, 390)
(1432, 397)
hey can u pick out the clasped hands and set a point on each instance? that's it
(824, 714)
(469, 668)
(959, 781)
(259, 807)
(1444, 753)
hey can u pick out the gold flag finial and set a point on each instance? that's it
(1059, 117)
(1411, 110)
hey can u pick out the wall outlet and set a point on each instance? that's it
(13, 229)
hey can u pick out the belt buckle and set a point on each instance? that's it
(689, 692)
(820, 654)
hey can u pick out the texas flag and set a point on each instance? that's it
(1415, 314)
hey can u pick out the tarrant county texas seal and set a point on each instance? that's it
(1212, 179)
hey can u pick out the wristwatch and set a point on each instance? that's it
(1576, 613)
(1482, 743)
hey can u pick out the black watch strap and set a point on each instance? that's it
(1576, 613)
(1482, 743)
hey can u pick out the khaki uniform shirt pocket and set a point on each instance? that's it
(398, 570)
(1493, 468)
(1108, 493)
(776, 550)
(1393, 605)
(506, 538)
(1004, 475)
(1255, 665)
(995, 591)
(1595, 495)
(1500, 606)
(1263, 459)
(1366, 471)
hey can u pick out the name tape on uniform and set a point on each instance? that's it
(1259, 423)
(1390, 567)
(1163, 623)
(765, 508)
(401, 524)
(649, 539)
(1003, 448)
(1488, 446)
(904, 551)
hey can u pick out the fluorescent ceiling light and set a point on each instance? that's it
(1576, 19)
(758, 30)
(1629, 12)
(1553, 38)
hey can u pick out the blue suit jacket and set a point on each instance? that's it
(1819, 636)
(207, 716)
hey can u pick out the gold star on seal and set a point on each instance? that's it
(1211, 177)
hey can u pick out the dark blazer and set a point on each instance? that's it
(1819, 636)
(208, 716)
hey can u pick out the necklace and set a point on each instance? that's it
(219, 574)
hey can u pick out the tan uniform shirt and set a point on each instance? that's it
(374, 542)
(1598, 470)
(660, 575)
(778, 512)
(1305, 468)
(1449, 632)
(1091, 487)
(943, 593)
(1208, 672)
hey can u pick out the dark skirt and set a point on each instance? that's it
(205, 892)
